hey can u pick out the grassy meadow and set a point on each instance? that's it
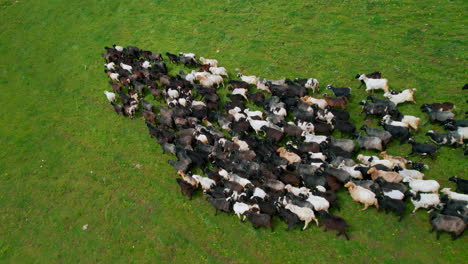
(68, 160)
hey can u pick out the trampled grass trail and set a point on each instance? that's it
(67, 160)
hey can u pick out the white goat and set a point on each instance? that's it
(411, 174)
(126, 67)
(455, 195)
(318, 155)
(205, 182)
(313, 138)
(297, 191)
(424, 185)
(110, 66)
(253, 113)
(322, 103)
(374, 84)
(362, 195)
(404, 96)
(211, 62)
(425, 200)
(318, 202)
(305, 214)
(395, 194)
(240, 209)
(260, 193)
(110, 96)
(312, 84)
(114, 76)
(248, 79)
(243, 146)
(219, 71)
(257, 124)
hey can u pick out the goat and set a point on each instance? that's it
(404, 96)
(340, 91)
(454, 195)
(337, 101)
(447, 223)
(374, 84)
(423, 148)
(362, 195)
(462, 185)
(334, 222)
(211, 62)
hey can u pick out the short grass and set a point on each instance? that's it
(67, 160)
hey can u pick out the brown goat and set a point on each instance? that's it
(340, 101)
(389, 176)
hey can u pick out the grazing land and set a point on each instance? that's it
(68, 160)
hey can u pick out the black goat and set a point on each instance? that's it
(423, 148)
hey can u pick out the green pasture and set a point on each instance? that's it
(67, 160)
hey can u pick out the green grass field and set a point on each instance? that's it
(67, 160)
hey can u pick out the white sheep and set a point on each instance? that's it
(219, 71)
(110, 66)
(395, 194)
(321, 103)
(211, 62)
(110, 96)
(425, 200)
(319, 203)
(404, 96)
(190, 77)
(424, 185)
(305, 214)
(362, 195)
(248, 79)
(205, 182)
(455, 195)
(374, 84)
(126, 67)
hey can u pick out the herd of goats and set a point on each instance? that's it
(283, 160)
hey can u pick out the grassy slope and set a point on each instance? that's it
(54, 110)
